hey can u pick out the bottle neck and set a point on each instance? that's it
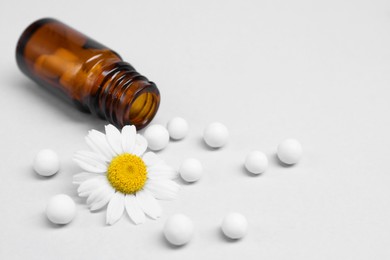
(123, 96)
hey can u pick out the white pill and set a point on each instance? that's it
(46, 162)
(61, 209)
(234, 225)
(177, 128)
(191, 170)
(157, 137)
(289, 151)
(256, 162)
(216, 135)
(178, 229)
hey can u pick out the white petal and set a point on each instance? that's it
(83, 176)
(98, 143)
(128, 138)
(92, 156)
(140, 145)
(96, 195)
(150, 159)
(148, 204)
(133, 209)
(114, 139)
(161, 167)
(101, 203)
(115, 208)
(162, 171)
(89, 167)
(90, 185)
(90, 161)
(163, 189)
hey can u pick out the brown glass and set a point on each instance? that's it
(85, 72)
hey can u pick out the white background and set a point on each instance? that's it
(318, 71)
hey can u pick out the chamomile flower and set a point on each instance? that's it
(119, 173)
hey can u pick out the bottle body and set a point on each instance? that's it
(87, 73)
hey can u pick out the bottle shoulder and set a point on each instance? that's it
(99, 60)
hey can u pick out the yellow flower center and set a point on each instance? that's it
(127, 173)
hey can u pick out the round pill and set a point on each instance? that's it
(61, 209)
(177, 128)
(256, 162)
(46, 162)
(234, 225)
(216, 135)
(157, 137)
(191, 170)
(178, 229)
(289, 151)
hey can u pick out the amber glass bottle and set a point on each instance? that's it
(86, 73)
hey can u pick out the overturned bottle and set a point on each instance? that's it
(87, 73)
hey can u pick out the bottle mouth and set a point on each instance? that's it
(143, 108)
(125, 97)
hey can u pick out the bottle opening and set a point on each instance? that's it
(143, 109)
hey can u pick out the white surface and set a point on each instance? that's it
(315, 70)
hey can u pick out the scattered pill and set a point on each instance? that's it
(157, 137)
(234, 225)
(61, 209)
(216, 135)
(191, 170)
(177, 128)
(289, 151)
(178, 229)
(46, 162)
(256, 162)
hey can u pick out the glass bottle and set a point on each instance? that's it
(87, 73)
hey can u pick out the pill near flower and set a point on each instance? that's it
(61, 209)
(178, 229)
(157, 137)
(178, 128)
(46, 163)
